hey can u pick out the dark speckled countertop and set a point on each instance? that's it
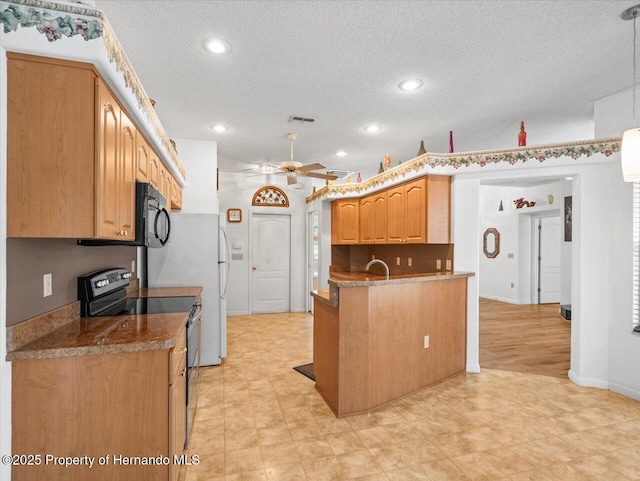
(360, 278)
(107, 335)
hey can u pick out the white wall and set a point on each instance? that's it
(200, 160)
(614, 115)
(236, 191)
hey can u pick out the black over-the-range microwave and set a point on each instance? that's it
(153, 224)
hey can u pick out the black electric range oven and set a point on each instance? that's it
(103, 293)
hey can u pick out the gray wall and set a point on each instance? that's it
(29, 259)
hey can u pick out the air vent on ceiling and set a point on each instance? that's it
(302, 120)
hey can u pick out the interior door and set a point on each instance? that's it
(270, 258)
(549, 263)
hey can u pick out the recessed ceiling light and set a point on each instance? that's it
(217, 46)
(342, 153)
(411, 84)
(569, 178)
(371, 128)
(220, 128)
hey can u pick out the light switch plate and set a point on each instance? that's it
(438, 264)
(410, 261)
(397, 261)
(448, 264)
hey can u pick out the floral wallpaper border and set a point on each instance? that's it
(56, 20)
(541, 153)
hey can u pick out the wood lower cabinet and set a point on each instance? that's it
(121, 406)
(345, 223)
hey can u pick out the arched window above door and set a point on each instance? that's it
(270, 196)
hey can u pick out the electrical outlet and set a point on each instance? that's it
(397, 261)
(133, 266)
(426, 342)
(410, 261)
(438, 264)
(47, 289)
(448, 264)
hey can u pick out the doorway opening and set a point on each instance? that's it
(521, 289)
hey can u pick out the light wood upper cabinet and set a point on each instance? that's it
(73, 153)
(50, 148)
(416, 212)
(407, 222)
(176, 195)
(115, 195)
(143, 158)
(127, 183)
(373, 218)
(366, 220)
(345, 225)
(154, 170)
(438, 209)
(379, 218)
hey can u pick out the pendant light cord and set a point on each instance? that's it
(635, 15)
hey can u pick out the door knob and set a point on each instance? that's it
(253, 268)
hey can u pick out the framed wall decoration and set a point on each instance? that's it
(567, 218)
(234, 215)
(491, 242)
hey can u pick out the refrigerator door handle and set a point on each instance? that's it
(227, 262)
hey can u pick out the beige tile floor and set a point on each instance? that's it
(258, 419)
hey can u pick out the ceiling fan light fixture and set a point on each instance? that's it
(341, 153)
(220, 128)
(217, 46)
(372, 128)
(410, 84)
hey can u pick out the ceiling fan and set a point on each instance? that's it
(293, 168)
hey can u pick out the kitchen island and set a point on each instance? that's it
(377, 339)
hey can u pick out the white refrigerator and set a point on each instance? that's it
(197, 254)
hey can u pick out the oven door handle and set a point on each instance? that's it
(197, 307)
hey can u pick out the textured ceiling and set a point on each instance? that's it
(486, 65)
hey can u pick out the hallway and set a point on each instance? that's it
(532, 338)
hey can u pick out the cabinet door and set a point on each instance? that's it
(127, 186)
(366, 220)
(154, 170)
(395, 215)
(50, 149)
(143, 158)
(177, 418)
(438, 209)
(345, 226)
(168, 178)
(176, 194)
(379, 218)
(107, 176)
(416, 212)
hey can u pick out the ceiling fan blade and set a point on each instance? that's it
(321, 176)
(291, 179)
(308, 167)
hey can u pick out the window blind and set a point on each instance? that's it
(636, 253)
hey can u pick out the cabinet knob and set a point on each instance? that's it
(184, 349)
(184, 371)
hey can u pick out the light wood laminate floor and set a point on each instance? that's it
(258, 419)
(531, 338)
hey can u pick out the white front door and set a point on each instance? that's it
(270, 253)
(550, 242)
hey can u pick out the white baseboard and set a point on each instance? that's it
(588, 382)
(625, 390)
(299, 309)
(237, 313)
(502, 299)
(473, 367)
